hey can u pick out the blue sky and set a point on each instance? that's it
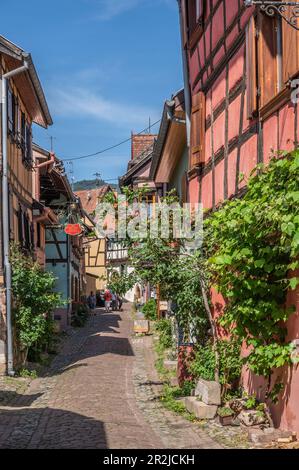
(106, 67)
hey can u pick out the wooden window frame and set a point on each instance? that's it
(192, 36)
(285, 68)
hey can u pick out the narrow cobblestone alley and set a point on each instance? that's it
(96, 396)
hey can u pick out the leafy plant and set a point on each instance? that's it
(150, 309)
(230, 362)
(204, 362)
(253, 245)
(251, 403)
(34, 300)
(121, 284)
(27, 374)
(225, 411)
(163, 327)
(79, 315)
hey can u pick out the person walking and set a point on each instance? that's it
(92, 301)
(108, 300)
(114, 301)
(119, 302)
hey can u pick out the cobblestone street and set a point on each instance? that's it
(98, 394)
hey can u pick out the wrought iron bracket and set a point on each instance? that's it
(280, 8)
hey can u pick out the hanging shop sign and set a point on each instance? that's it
(73, 229)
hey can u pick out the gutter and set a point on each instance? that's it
(187, 93)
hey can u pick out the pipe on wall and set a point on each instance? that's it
(187, 93)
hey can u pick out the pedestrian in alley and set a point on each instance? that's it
(92, 302)
(108, 300)
(119, 302)
(114, 301)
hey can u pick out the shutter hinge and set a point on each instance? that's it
(257, 33)
(258, 91)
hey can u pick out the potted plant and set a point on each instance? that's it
(226, 416)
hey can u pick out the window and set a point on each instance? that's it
(23, 136)
(11, 113)
(20, 226)
(272, 58)
(28, 154)
(38, 235)
(193, 13)
(26, 141)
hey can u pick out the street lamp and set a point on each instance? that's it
(280, 8)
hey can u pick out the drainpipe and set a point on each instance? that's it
(186, 77)
(5, 216)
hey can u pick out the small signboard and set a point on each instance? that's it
(163, 306)
(141, 326)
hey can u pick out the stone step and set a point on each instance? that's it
(170, 365)
(209, 392)
(199, 409)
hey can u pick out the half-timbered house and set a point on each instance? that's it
(95, 248)
(63, 254)
(26, 104)
(239, 64)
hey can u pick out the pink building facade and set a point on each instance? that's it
(239, 65)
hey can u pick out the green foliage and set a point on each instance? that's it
(253, 246)
(251, 403)
(230, 362)
(27, 374)
(225, 411)
(204, 362)
(79, 315)
(170, 400)
(150, 310)
(163, 327)
(121, 284)
(34, 300)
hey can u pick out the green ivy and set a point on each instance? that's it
(253, 246)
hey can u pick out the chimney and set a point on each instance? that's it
(140, 143)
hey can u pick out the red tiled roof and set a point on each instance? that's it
(90, 197)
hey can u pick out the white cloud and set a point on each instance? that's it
(111, 8)
(79, 102)
(108, 9)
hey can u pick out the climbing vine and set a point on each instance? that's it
(252, 246)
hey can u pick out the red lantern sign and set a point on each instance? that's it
(73, 229)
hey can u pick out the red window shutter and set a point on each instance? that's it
(290, 49)
(267, 47)
(198, 118)
(251, 68)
